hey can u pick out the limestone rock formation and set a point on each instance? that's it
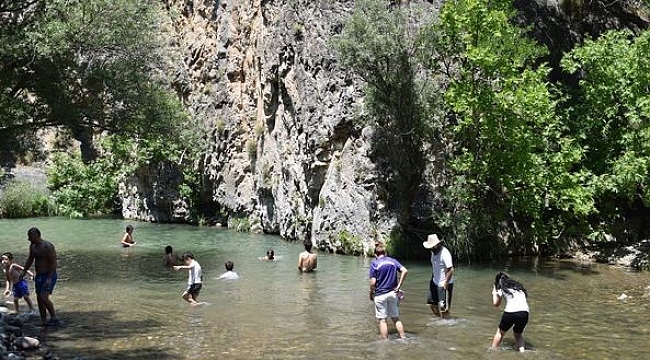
(283, 152)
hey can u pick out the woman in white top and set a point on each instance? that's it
(515, 312)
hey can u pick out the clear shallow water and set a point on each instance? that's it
(123, 304)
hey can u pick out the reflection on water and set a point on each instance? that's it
(123, 304)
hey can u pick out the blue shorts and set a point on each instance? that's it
(39, 283)
(20, 289)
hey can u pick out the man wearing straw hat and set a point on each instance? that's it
(441, 286)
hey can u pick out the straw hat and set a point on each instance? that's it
(432, 240)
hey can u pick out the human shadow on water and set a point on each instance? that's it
(85, 327)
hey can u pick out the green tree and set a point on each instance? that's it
(378, 44)
(609, 115)
(83, 65)
(510, 161)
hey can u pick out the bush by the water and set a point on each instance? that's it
(19, 199)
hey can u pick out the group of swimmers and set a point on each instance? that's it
(307, 262)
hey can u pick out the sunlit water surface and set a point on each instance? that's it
(120, 303)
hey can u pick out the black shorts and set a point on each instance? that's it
(194, 289)
(434, 290)
(519, 319)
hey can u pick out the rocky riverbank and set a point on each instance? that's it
(634, 256)
(21, 338)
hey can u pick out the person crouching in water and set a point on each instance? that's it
(515, 312)
(194, 279)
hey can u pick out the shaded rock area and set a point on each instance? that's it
(561, 24)
(20, 339)
(160, 200)
(633, 256)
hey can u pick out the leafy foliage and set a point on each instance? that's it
(612, 116)
(609, 117)
(92, 69)
(83, 65)
(511, 174)
(81, 189)
(511, 157)
(379, 45)
(19, 200)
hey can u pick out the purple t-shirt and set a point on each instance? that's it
(385, 270)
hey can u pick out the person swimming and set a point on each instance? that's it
(270, 255)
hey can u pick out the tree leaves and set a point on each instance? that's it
(85, 65)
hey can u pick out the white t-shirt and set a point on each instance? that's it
(229, 275)
(515, 301)
(195, 274)
(441, 262)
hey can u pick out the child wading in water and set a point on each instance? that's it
(515, 313)
(194, 279)
(127, 239)
(170, 259)
(20, 288)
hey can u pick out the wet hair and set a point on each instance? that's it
(308, 245)
(188, 255)
(129, 228)
(168, 249)
(229, 265)
(380, 250)
(9, 255)
(34, 231)
(270, 254)
(507, 284)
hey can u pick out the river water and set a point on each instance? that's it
(120, 303)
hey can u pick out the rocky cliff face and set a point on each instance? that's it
(283, 153)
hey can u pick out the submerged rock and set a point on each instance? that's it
(27, 343)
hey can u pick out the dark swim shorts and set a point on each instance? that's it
(194, 289)
(435, 291)
(39, 283)
(20, 289)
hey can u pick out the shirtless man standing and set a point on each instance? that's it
(43, 255)
(307, 260)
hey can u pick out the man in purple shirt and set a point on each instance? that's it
(384, 288)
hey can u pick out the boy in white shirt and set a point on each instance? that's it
(194, 279)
